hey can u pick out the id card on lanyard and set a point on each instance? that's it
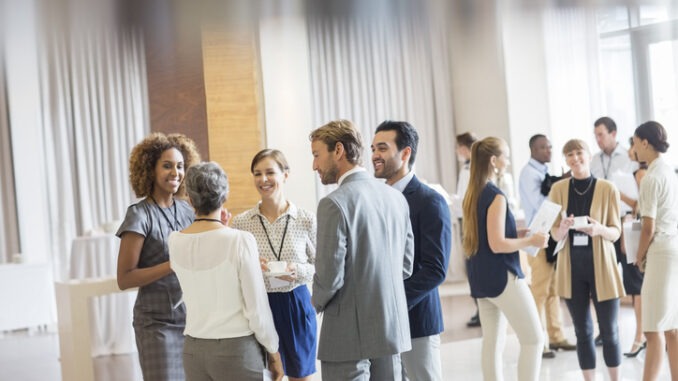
(580, 239)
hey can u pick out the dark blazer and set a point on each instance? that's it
(432, 228)
(365, 250)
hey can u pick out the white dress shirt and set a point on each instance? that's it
(610, 167)
(603, 166)
(401, 184)
(529, 188)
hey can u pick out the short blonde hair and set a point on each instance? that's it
(575, 144)
(344, 132)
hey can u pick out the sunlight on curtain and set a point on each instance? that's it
(573, 79)
(371, 66)
(95, 109)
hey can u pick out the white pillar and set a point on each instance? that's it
(286, 78)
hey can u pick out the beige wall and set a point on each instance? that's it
(528, 109)
(286, 77)
(477, 66)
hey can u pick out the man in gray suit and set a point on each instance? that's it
(364, 251)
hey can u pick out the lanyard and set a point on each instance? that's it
(602, 164)
(282, 241)
(165, 215)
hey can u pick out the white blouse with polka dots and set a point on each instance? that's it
(299, 245)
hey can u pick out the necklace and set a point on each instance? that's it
(208, 219)
(176, 223)
(282, 241)
(581, 193)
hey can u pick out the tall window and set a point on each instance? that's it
(639, 66)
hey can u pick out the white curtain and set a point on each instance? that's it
(572, 71)
(94, 96)
(9, 236)
(390, 64)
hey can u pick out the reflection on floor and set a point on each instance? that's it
(34, 356)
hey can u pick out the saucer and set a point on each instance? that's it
(281, 273)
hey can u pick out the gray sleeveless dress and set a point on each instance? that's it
(159, 315)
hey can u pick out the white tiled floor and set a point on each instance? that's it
(34, 357)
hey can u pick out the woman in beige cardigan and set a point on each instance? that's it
(587, 265)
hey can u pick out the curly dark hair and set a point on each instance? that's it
(145, 156)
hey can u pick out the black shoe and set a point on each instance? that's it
(638, 348)
(599, 341)
(474, 321)
(548, 354)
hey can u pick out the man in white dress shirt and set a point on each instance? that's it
(543, 271)
(612, 156)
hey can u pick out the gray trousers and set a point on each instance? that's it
(239, 358)
(377, 369)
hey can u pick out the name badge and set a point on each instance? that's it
(580, 239)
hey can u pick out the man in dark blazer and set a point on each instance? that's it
(364, 251)
(394, 149)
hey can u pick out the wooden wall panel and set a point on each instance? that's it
(233, 101)
(176, 86)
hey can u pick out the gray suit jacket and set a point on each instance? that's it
(364, 251)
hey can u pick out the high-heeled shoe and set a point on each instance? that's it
(638, 346)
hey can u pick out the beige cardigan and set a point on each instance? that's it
(604, 209)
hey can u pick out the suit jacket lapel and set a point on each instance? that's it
(413, 185)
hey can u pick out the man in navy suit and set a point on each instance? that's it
(394, 149)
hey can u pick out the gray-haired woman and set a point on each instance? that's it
(228, 319)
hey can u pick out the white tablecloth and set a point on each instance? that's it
(111, 329)
(26, 296)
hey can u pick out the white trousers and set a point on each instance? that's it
(422, 363)
(517, 306)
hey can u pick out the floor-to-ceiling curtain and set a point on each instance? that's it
(368, 65)
(572, 70)
(94, 111)
(9, 236)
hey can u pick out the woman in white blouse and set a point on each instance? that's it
(228, 319)
(285, 233)
(658, 249)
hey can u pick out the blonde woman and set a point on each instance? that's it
(491, 242)
(587, 264)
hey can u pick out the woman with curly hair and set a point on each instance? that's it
(157, 166)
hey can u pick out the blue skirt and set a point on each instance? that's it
(294, 319)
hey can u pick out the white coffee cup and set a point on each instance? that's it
(277, 266)
(580, 221)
